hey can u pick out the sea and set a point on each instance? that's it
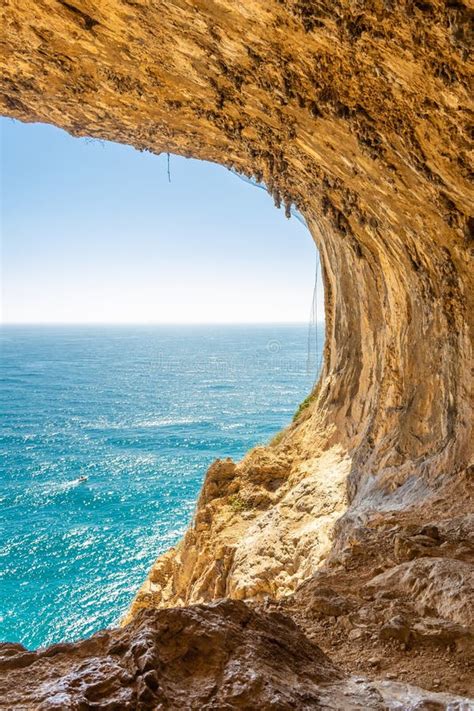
(106, 436)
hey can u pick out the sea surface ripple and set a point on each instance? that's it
(106, 436)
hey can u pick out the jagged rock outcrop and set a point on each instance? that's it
(357, 113)
(284, 509)
(397, 601)
(217, 656)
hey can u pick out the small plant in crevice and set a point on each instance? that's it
(303, 406)
(276, 439)
(237, 503)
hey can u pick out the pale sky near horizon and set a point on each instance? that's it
(94, 233)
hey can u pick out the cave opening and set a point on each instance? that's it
(354, 523)
(115, 408)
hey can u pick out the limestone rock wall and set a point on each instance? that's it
(358, 113)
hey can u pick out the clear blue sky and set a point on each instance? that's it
(94, 232)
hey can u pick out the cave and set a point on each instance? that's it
(357, 523)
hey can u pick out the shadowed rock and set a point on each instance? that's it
(218, 656)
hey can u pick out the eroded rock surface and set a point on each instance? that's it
(285, 513)
(201, 657)
(357, 113)
(217, 656)
(410, 620)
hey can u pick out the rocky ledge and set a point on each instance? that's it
(223, 655)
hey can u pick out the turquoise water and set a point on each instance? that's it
(141, 412)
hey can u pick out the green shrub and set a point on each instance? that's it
(303, 406)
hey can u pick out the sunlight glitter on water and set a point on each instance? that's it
(106, 437)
